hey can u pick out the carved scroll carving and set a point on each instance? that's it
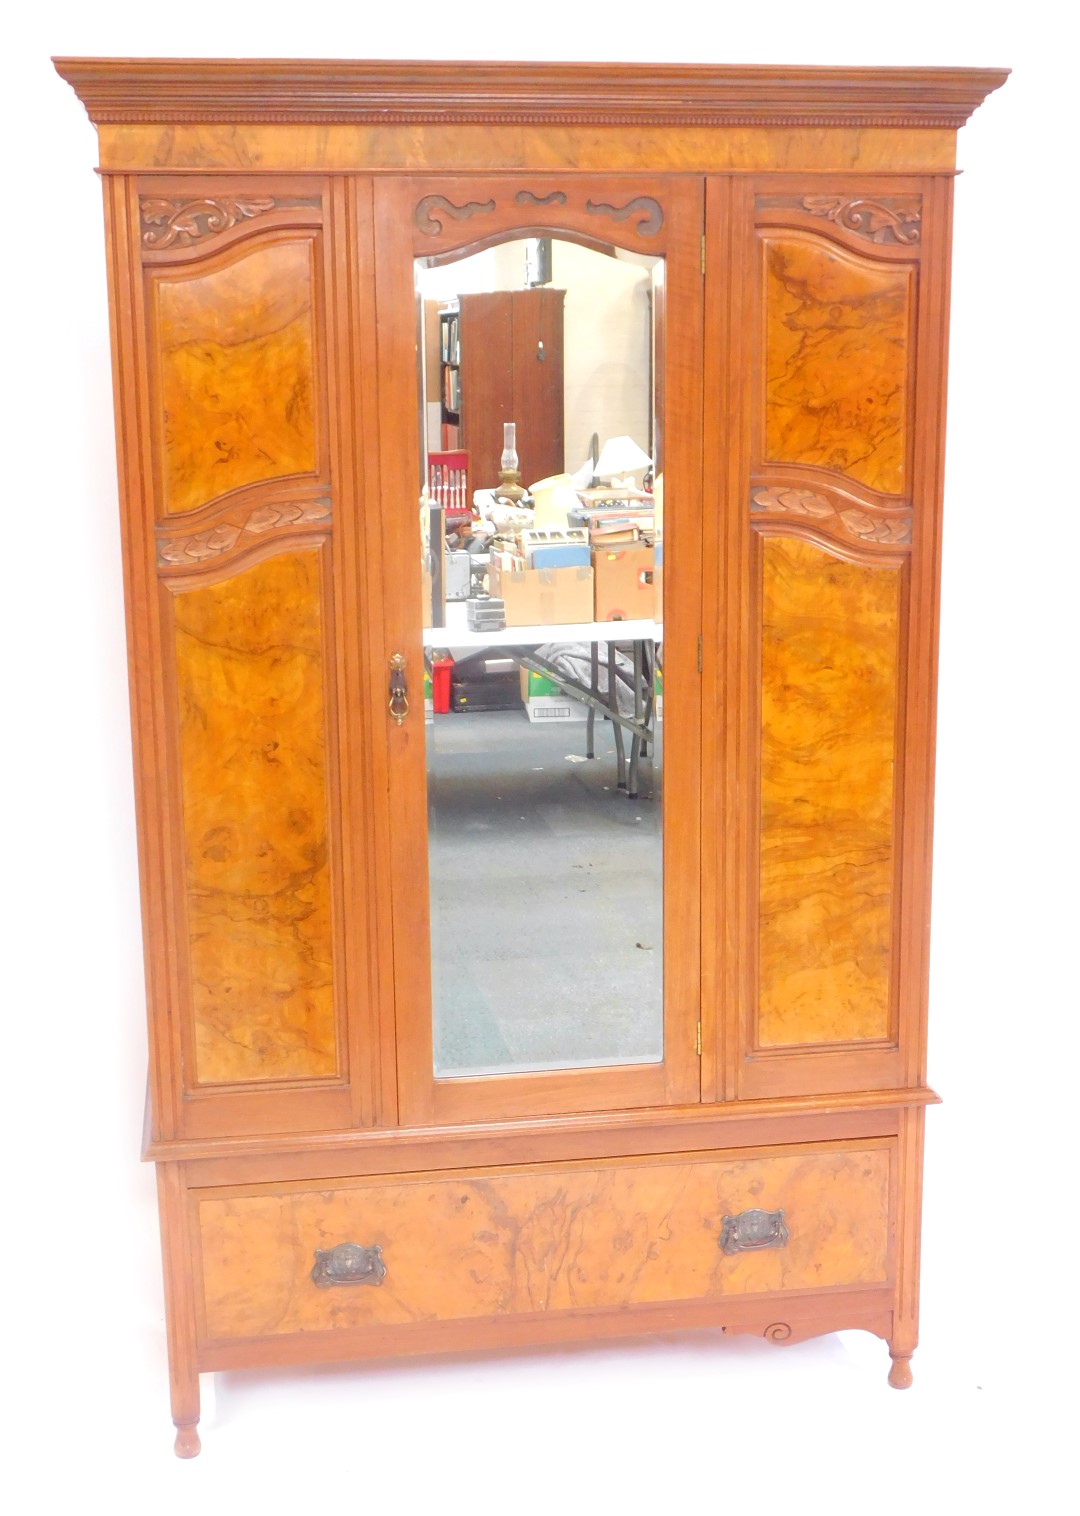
(431, 212)
(810, 1325)
(429, 223)
(856, 523)
(266, 516)
(526, 197)
(210, 544)
(187, 221)
(221, 538)
(648, 211)
(895, 219)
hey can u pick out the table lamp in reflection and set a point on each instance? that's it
(620, 459)
(553, 500)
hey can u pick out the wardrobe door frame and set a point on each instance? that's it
(501, 206)
(739, 208)
(165, 221)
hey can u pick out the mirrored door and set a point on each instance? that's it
(541, 640)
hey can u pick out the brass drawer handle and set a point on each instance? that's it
(348, 1263)
(753, 1229)
(399, 695)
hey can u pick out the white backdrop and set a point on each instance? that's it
(681, 1422)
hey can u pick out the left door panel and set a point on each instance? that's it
(241, 506)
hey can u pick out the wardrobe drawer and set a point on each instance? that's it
(518, 1241)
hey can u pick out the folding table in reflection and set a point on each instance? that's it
(641, 639)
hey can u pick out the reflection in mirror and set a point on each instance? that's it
(541, 537)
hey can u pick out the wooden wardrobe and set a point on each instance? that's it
(323, 1194)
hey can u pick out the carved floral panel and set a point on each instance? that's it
(887, 220)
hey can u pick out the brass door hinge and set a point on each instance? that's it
(703, 252)
(699, 653)
(698, 1040)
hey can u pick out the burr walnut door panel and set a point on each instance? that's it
(828, 556)
(419, 1249)
(828, 655)
(252, 508)
(251, 692)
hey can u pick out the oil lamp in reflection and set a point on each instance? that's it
(509, 486)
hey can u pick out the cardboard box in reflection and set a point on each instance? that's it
(624, 583)
(545, 597)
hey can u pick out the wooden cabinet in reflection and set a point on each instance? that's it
(505, 363)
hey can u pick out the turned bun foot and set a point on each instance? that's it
(187, 1444)
(900, 1373)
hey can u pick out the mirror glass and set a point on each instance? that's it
(541, 545)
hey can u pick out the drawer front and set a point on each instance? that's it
(517, 1241)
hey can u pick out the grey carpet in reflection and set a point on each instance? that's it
(546, 898)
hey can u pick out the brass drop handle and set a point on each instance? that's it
(348, 1263)
(750, 1230)
(399, 697)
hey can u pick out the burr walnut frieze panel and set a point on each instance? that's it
(829, 678)
(837, 351)
(235, 401)
(251, 720)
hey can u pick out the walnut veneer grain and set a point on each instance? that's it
(253, 769)
(236, 346)
(837, 336)
(829, 671)
(506, 1243)
(450, 148)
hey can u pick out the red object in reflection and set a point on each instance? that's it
(441, 669)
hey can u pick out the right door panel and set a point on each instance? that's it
(830, 531)
(828, 641)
